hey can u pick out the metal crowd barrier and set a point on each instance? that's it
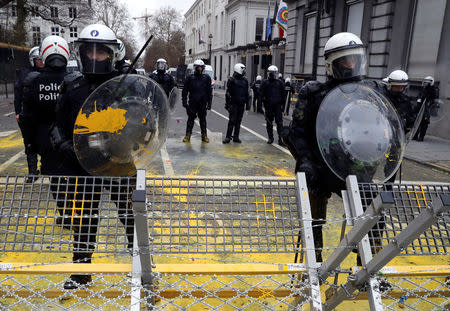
(178, 243)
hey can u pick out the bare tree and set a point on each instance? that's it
(166, 27)
(115, 15)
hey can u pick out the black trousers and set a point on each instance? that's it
(30, 151)
(235, 119)
(273, 113)
(423, 127)
(193, 112)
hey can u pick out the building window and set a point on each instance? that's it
(35, 11)
(310, 30)
(73, 12)
(426, 37)
(355, 12)
(13, 10)
(73, 32)
(53, 11)
(259, 29)
(36, 31)
(55, 31)
(233, 31)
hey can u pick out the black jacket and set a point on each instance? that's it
(39, 102)
(272, 92)
(199, 89)
(256, 87)
(18, 88)
(165, 80)
(238, 91)
(74, 91)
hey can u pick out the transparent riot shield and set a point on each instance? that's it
(359, 133)
(121, 126)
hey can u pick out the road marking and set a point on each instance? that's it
(168, 168)
(254, 133)
(7, 133)
(9, 113)
(11, 160)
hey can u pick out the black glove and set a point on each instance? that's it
(310, 169)
(208, 106)
(228, 107)
(67, 149)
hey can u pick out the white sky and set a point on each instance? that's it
(137, 7)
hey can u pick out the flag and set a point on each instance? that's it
(282, 17)
(268, 25)
(200, 39)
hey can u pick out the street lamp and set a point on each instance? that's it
(210, 43)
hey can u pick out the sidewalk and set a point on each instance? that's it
(433, 152)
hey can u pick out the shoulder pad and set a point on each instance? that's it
(313, 86)
(72, 81)
(30, 77)
(73, 76)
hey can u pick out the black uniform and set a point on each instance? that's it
(198, 86)
(237, 99)
(429, 94)
(74, 91)
(165, 80)
(40, 95)
(257, 105)
(403, 107)
(24, 122)
(272, 96)
(301, 140)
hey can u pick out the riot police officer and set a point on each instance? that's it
(96, 49)
(345, 61)
(161, 77)
(40, 95)
(272, 96)
(395, 90)
(198, 86)
(257, 105)
(24, 122)
(122, 65)
(237, 99)
(428, 95)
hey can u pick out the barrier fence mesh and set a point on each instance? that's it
(216, 244)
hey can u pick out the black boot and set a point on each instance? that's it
(205, 138)
(77, 280)
(237, 140)
(187, 138)
(226, 140)
(270, 140)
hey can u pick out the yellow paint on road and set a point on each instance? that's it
(110, 120)
(12, 141)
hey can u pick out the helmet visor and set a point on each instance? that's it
(348, 64)
(161, 66)
(96, 58)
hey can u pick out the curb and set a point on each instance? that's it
(429, 164)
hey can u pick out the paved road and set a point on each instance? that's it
(252, 157)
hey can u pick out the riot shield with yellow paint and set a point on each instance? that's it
(359, 133)
(121, 126)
